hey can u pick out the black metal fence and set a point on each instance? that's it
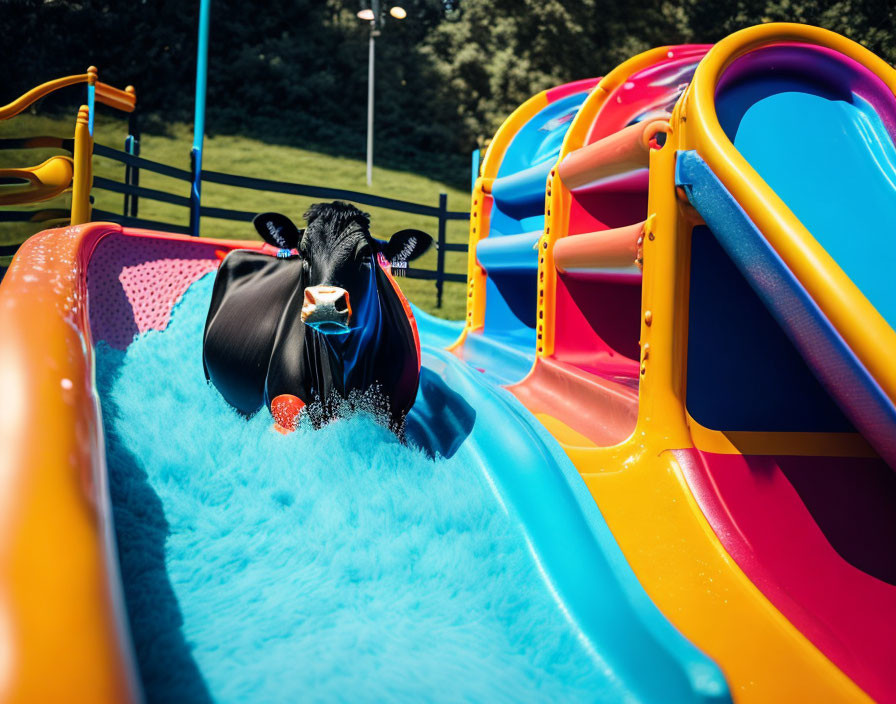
(133, 192)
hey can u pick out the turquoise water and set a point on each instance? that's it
(325, 565)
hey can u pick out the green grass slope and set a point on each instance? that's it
(248, 157)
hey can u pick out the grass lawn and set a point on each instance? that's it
(249, 157)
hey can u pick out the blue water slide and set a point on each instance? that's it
(628, 638)
(508, 254)
(440, 333)
(468, 564)
(521, 194)
(820, 140)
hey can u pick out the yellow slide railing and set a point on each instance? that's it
(36, 183)
(58, 174)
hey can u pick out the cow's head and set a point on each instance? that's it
(338, 254)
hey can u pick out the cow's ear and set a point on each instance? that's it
(278, 230)
(406, 245)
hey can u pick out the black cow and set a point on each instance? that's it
(320, 320)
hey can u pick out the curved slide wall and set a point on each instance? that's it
(817, 128)
(778, 529)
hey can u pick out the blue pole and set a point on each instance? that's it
(199, 115)
(474, 168)
(91, 107)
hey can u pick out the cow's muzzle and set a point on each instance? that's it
(327, 309)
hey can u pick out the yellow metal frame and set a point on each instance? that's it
(638, 484)
(82, 179)
(51, 182)
(124, 100)
(558, 197)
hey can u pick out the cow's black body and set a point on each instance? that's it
(256, 346)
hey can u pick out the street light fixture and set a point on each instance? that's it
(372, 15)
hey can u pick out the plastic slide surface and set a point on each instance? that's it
(747, 494)
(824, 148)
(816, 128)
(635, 653)
(511, 211)
(585, 378)
(593, 584)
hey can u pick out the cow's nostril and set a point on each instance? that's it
(324, 305)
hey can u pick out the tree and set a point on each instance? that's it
(446, 77)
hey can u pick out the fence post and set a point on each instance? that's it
(126, 206)
(195, 189)
(135, 150)
(132, 173)
(440, 251)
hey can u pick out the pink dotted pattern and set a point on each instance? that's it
(134, 281)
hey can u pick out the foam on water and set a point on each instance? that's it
(332, 564)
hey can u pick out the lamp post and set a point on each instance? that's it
(372, 15)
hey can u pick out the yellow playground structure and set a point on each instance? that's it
(61, 174)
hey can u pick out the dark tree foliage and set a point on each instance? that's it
(295, 71)
(493, 54)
